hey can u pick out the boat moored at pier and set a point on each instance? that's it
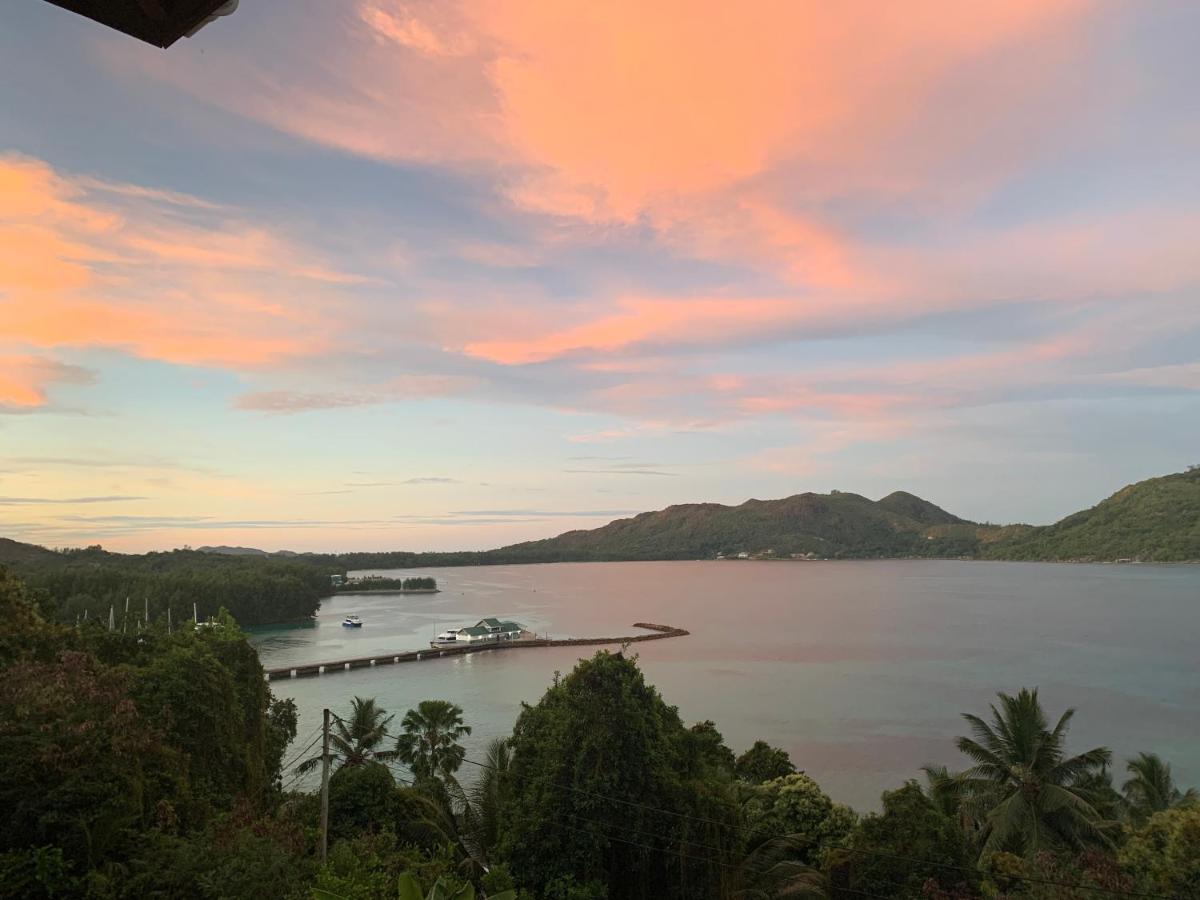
(490, 630)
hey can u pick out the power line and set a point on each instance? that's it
(701, 859)
(296, 757)
(312, 736)
(1031, 879)
(393, 765)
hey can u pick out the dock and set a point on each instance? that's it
(307, 670)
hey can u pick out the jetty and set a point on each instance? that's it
(306, 670)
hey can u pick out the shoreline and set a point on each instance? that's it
(388, 591)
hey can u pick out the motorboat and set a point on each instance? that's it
(352, 622)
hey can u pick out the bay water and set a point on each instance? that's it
(859, 669)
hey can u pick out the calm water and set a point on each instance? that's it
(858, 669)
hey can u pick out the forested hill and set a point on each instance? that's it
(255, 590)
(1157, 520)
(832, 525)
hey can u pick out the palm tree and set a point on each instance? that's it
(429, 745)
(1023, 786)
(946, 791)
(355, 740)
(486, 798)
(773, 870)
(1152, 788)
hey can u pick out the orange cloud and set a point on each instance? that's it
(157, 274)
(643, 100)
(24, 379)
(725, 129)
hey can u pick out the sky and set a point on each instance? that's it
(446, 275)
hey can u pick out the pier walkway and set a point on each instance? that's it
(657, 633)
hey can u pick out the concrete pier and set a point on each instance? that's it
(657, 633)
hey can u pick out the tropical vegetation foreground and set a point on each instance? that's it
(156, 764)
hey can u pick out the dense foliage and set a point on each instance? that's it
(88, 583)
(603, 733)
(1157, 520)
(108, 738)
(158, 765)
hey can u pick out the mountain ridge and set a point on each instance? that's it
(1155, 520)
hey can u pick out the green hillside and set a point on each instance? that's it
(14, 552)
(1155, 520)
(832, 525)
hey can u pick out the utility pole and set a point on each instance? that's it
(325, 786)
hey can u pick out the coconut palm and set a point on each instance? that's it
(1151, 788)
(355, 740)
(486, 798)
(429, 745)
(946, 792)
(773, 871)
(1023, 787)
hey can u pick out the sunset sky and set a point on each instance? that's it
(438, 275)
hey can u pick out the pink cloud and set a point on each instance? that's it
(639, 321)
(25, 379)
(153, 273)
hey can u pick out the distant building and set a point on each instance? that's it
(337, 580)
(489, 629)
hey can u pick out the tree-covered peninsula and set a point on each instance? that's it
(85, 584)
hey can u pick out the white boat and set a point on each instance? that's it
(352, 622)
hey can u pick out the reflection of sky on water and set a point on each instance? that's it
(859, 669)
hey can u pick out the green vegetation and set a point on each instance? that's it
(159, 765)
(1151, 788)
(1154, 521)
(356, 740)
(762, 762)
(256, 590)
(1026, 793)
(430, 744)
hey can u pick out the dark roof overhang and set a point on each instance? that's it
(158, 22)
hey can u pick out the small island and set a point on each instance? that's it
(343, 584)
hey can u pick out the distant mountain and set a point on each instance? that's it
(832, 525)
(14, 552)
(913, 507)
(1154, 520)
(224, 550)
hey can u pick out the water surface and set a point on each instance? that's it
(858, 669)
